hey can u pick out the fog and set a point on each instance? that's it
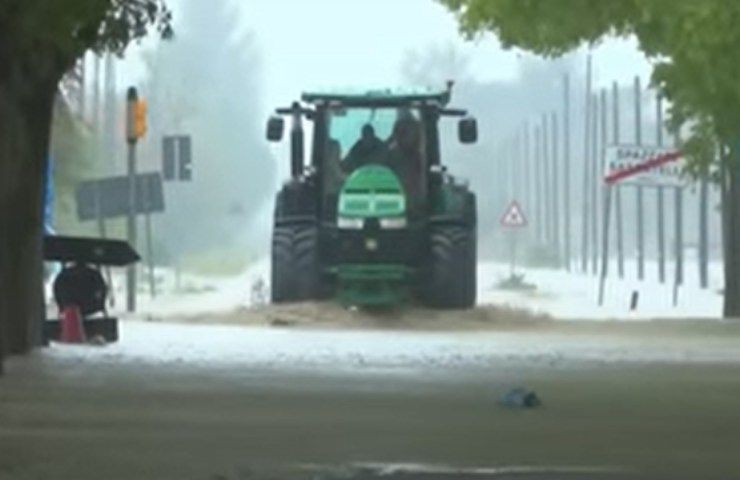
(358, 345)
(231, 63)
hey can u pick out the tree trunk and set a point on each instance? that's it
(731, 224)
(26, 102)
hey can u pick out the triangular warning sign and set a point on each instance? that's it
(513, 216)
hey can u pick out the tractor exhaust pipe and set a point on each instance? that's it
(297, 141)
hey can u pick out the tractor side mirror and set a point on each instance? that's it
(275, 129)
(467, 130)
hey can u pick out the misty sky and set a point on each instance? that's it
(325, 43)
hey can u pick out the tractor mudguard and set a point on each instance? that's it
(296, 201)
(454, 204)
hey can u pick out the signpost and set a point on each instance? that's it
(136, 127)
(643, 167)
(108, 197)
(513, 219)
(177, 164)
(177, 158)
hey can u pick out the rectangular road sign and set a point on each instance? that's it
(177, 158)
(644, 165)
(108, 197)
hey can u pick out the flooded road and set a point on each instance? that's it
(179, 401)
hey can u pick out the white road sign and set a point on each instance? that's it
(644, 165)
(513, 216)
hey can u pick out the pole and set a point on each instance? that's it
(96, 93)
(102, 231)
(586, 173)
(606, 190)
(679, 244)
(526, 181)
(512, 244)
(605, 243)
(595, 186)
(724, 193)
(149, 249)
(704, 231)
(506, 166)
(150, 255)
(546, 190)
(99, 212)
(538, 185)
(517, 157)
(555, 185)
(640, 200)
(617, 189)
(566, 170)
(678, 209)
(511, 165)
(604, 132)
(132, 98)
(661, 233)
(660, 193)
(511, 148)
(82, 100)
(109, 116)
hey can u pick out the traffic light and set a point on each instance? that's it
(140, 111)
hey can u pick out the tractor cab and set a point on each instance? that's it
(369, 192)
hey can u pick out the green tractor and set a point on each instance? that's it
(373, 219)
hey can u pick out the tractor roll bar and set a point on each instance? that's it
(453, 112)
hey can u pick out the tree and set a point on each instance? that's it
(39, 41)
(692, 46)
(233, 177)
(75, 152)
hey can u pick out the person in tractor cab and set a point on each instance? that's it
(368, 149)
(406, 158)
(334, 175)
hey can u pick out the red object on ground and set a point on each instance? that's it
(649, 164)
(72, 328)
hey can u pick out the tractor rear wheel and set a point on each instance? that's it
(295, 266)
(451, 279)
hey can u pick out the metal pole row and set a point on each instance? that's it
(540, 175)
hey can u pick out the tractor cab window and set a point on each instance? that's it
(346, 125)
(391, 137)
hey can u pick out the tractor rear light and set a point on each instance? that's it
(393, 223)
(350, 223)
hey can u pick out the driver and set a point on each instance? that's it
(368, 149)
(406, 157)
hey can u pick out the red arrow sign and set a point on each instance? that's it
(649, 164)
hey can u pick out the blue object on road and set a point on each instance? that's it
(520, 398)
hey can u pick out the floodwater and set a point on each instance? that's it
(337, 400)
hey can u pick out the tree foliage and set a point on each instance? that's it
(232, 175)
(67, 28)
(75, 154)
(39, 41)
(691, 44)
